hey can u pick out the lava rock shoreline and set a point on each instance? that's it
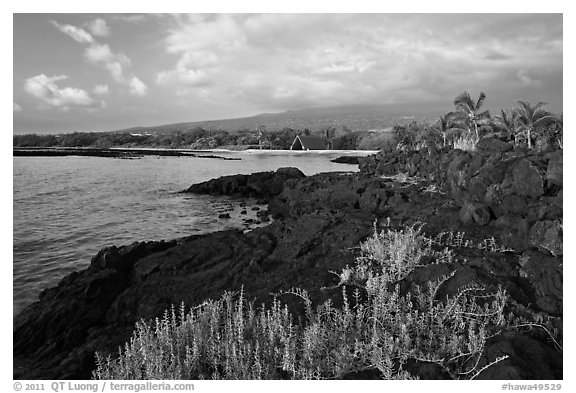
(109, 153)
(319, 222)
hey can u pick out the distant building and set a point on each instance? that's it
(302, 142)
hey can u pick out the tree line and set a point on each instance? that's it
(527, 124)
(199, 138)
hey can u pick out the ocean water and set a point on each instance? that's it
(66, 209)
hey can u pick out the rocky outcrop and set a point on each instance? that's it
(494, 145)
(352, 160)
(112, 153)
(516, 192)
(58, 331)
(320, 220)
(96, 309)
(262, 185)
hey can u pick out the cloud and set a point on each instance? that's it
(101, 89)
(103, 56)
(17, 107)
(137, 87)
(98, 27)
(527, 80)
(284, 61)
(98, 53)
(131, 18)
(46, 90)
(188, 77)
(76, 33)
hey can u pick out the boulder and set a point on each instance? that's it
(559, 199)
(371, 199)
(475, 213)
(490, 174)
(547, 235)
(513, 203)
(456, 179)
(554, 171)
(352, 160)
(493, 198)
(290, 173)
(123, 258)
(493, 144)
(256, 185)
(368, 164)
(513, 231)
(278, 207)
(528, 358)
(544, 275)
(526, 180)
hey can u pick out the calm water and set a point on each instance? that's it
(67, 208)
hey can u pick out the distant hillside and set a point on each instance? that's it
(353, 117)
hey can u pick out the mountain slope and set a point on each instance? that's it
(354, 117)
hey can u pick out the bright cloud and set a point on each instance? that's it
(137, 87)
(76, 33)
(99, 27)
(17, 107)
(103, 56)
(101, 89)
(99, 53)
(47, 91)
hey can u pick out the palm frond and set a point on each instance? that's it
(539, 105)
(545, 120)
(464, 101)
(506, 120)
(483, 115)
(523, 120)
(527, 110)
(539, 113)
(503, 117)
(451, 115)
(484, 122)
(449, 119)
(480, 101)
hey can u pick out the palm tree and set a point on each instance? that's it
(329, 134)
(530, 118)
(507, 121)
(469, 111)
(446, 127)
(262, 136)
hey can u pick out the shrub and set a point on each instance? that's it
(379, 329)
(386, 256)
(467, 141)
(376, 141)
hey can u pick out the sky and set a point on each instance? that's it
(99, 72)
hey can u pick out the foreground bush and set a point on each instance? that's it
(466, 142)
(379, 329)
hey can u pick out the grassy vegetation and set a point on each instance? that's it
(379, 327)
(466, 142)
